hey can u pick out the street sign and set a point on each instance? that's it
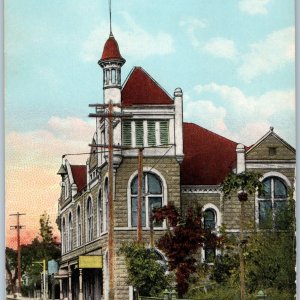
(52, 267)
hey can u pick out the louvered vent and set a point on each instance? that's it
(164, 132)
(139, 133)
(126, 133)
(151, 133)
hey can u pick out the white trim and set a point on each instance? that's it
(266, 165)
(157, 133)
(133, 137)
(276, 174)
(145, 132)
(218, 213)
(201, 189)
(164, 194)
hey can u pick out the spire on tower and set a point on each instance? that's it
(110, 30)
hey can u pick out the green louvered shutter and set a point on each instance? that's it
(139, 133)
(126, 133)
(164, 132)
(151, 133)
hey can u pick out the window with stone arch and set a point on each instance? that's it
(70, 232)
(209, 218)
(271, 202)
(99, 214)
(64, 235)
(105, 205)
(79, 227)
(211, 221)
(153, 197)
(89, 219)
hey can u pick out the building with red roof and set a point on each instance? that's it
(183, 163)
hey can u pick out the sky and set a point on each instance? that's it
(233, 59)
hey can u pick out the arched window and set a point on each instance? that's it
(78, 226)
(70, 232)
(209, 219)
(105, 205)
(99, 212)
(89, 219)
(272, 202)
(209, 222)
(64, 236)
(152, 198)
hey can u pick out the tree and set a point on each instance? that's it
(145, 273)
(242, 184)
(271, 255)
(184, 238)
(43, 247)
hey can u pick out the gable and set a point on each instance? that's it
(93, 158)
(141, 89)
(272, 147)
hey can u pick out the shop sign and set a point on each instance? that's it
(90, 262)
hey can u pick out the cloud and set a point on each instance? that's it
(193, 25)
(243, 118)
(133, 41)
(269, 55)
(211, 116)
(221, 47)
(254, 7)
(217, 46)
(32, 161)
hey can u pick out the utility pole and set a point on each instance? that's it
(110, 115)
(110, 204)
(140, 196)
(18, 227)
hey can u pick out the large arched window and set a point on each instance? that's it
(89, 219)
(64, 236)
(70, 232)
(79, 229)
(272, 202)
(152, 198)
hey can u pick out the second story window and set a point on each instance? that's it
(64, 236)
(79, 229)
(89, 220)
(70, 233)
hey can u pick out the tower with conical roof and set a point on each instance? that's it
(111, 62)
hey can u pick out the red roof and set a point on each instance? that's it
(111, 49)
(79, 176)
(141, 88)
(208, 157)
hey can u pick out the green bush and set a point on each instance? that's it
(145, 273)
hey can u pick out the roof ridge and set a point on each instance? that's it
(216, 134)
